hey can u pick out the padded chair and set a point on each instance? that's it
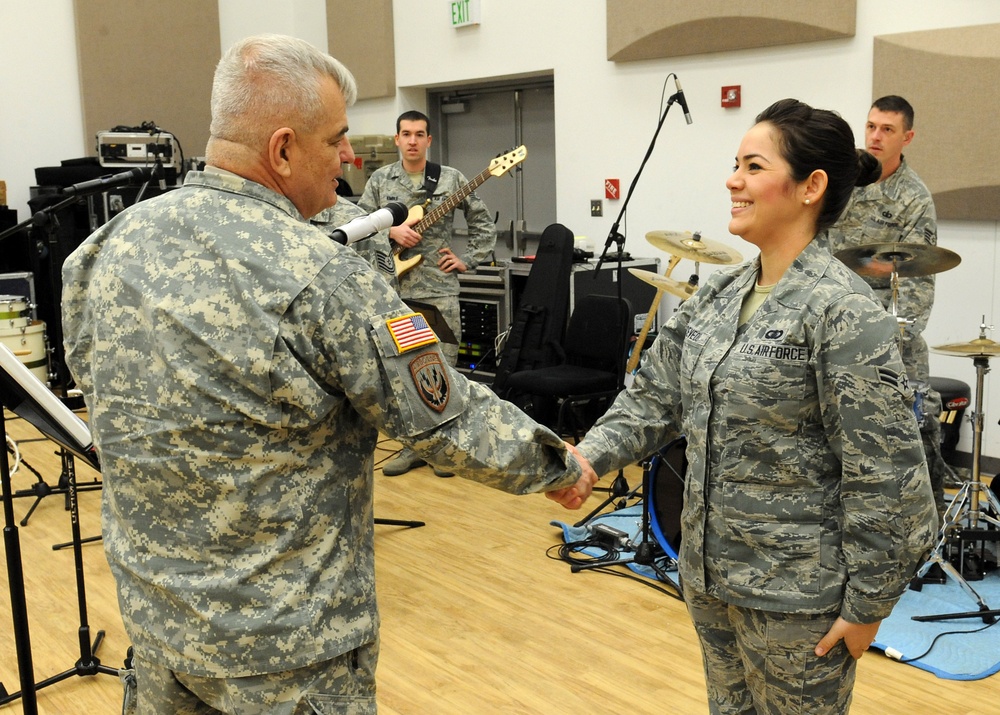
(571, 396)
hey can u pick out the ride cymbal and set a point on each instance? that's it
(980, 347)
(692, 245)
(878, 260)
(664, 283)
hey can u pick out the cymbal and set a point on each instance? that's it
(908, 259)
(691, 245)
(664, 283)
(980, 347)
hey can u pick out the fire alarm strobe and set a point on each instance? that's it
(731, 96)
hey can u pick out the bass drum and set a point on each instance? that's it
(666, 495)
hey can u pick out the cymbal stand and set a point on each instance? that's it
(965, 508)
(903, 323)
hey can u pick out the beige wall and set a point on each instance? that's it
(145, 61)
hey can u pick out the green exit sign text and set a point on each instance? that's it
(463, 12)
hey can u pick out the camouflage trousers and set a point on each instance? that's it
(344, 685)
(762, 662)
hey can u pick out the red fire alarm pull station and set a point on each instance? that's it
(731, 96)
(612, 189)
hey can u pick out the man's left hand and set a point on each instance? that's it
(449, 262)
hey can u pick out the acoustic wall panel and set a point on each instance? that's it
(144, 61)
(949, 76)
(650, 29)
(360, 34)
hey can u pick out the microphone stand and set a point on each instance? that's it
(620, 486)
(613, 235)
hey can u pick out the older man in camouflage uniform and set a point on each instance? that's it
(435, 279)
(806, 490)
(899, 208)
(238, 365)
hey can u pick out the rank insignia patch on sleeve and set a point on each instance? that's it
(431, 380)
(410, 331)
(893, 379)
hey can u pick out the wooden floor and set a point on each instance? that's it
(476, 618)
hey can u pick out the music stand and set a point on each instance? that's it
(432, 314)
(25, 395)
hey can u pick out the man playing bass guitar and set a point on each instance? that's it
(415, 181)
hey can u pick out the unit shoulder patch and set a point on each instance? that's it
(431, 380)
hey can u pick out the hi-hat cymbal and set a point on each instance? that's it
(691, 245)
(980, 347)
(879, 260)
(665, 283)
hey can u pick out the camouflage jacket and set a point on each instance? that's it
(376, 249)
(806, 489)
(238, 366)
(392, 183)
(899, 209)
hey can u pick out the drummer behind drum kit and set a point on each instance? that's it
(25, 337)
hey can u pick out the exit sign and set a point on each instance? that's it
(463, 13)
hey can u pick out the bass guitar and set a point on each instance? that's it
(420, 222)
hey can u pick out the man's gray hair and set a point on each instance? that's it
(266, 82)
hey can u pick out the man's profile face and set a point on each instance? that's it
(318, 155)
(886, 135)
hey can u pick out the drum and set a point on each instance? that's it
(956, 396)
(666, 495)
(14, 312)
(29, 345)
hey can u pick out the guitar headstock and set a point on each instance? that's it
(505, 162)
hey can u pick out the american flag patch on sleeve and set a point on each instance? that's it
(410, 331)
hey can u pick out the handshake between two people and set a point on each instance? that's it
(573, 497)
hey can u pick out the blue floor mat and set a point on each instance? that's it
(967, 655)
(629, 521)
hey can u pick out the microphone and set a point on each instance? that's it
(95, 185)
(681, 100)
(392, 214)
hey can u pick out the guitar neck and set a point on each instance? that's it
(449, 204)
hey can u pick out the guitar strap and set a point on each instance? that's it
(432, 172)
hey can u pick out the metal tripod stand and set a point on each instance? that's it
(974, 503)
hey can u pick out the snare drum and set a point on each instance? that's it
(14, 312)
(666, 495)
(30, 345)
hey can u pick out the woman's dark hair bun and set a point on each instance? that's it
(869, 169)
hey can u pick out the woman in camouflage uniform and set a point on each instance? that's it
(807, 504)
